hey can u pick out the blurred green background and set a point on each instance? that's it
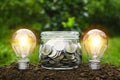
(60, 15)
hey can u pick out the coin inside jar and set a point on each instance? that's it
(70, 56)
(59, 44)
(54, 53)
(60, 57)
(70, 47)
(46, 50)
(79, 49)
(50, 42)
(51, 61)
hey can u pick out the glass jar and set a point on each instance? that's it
(60, 50)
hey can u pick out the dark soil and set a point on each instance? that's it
(35, 72)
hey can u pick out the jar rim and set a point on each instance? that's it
(60, 32)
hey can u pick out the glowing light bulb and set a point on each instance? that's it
(23, 43)
(95, 43)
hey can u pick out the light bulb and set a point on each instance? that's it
(23, 42)
(95, 43)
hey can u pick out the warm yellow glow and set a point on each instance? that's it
(23, 42)
(95, 43)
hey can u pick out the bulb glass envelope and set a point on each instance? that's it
(23, 42)
(95, 42)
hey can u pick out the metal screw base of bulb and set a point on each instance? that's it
(94, 64)
(23, 63)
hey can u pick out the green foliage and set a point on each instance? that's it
(48, 14)
(6, 54)
(69, 23)
(112, 55)
(34, 57)
(58, 14)
(104, 12)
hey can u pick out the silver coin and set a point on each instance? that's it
(70, 56)
(51, 61)
(70, 47)
(57, 54)
(74, 60)
(64, 61)
(46, 50)
(54, 53)
(59, 57)
(79, 58)
(50, 42)
(59, 44)
(79, 51)
(45, 60)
